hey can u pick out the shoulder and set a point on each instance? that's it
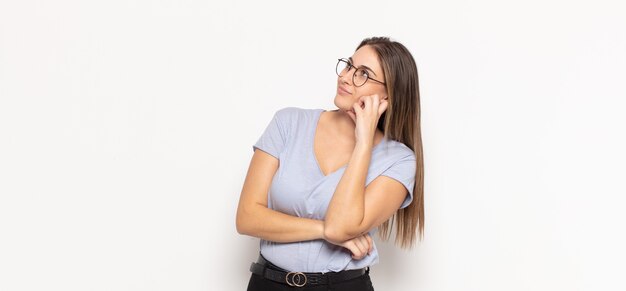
(396, 151)
(294, 115)
(294, 111)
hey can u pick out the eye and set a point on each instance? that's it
(362, 73)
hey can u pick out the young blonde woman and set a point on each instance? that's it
(321, 183)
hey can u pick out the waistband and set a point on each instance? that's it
(272, 272)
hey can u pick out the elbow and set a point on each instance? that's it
(242, 223)
(248, 219)
(240, 227)
(335, 234)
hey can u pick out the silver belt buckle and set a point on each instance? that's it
(295, 279)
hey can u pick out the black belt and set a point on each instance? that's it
(299, 279)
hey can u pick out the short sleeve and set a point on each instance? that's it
(403, 171)
(274, 138)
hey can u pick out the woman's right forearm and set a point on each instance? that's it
(268, 224)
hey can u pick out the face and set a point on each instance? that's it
(347, 92)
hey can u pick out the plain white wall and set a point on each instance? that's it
(126, 129)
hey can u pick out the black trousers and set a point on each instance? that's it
(362, 283)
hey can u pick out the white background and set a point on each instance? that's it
(126, 129)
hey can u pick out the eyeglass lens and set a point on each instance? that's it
(358, 78)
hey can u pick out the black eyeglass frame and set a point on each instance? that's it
(350, 66)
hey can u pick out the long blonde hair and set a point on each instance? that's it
(401, 122)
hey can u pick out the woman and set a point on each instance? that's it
(321, 182)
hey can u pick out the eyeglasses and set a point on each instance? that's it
(360, 76)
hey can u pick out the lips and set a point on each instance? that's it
(343, 91)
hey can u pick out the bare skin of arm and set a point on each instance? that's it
(255, 219)
(354, 208)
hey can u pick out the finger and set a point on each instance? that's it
(375, 104)
(367, 101)
(375, 100)
(362, 98)
(352, 115)
(362, 101)
(357, 108)
(383, 107)
(357, 254)
(354, 250)
(361, 245)
(367, 245)
(370, 242)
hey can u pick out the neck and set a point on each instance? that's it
(344, 125)
(342, 120)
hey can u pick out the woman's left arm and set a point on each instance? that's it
(354, 208)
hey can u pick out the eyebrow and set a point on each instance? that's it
(364, 66)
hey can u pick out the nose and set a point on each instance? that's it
(344, 80)
(346, 77)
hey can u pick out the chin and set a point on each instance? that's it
(343, 104)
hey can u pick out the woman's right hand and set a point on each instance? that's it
(359, 246)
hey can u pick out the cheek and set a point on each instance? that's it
(369, 91)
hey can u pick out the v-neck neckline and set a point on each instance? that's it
(316, 122)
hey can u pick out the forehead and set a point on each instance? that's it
(367, 56)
